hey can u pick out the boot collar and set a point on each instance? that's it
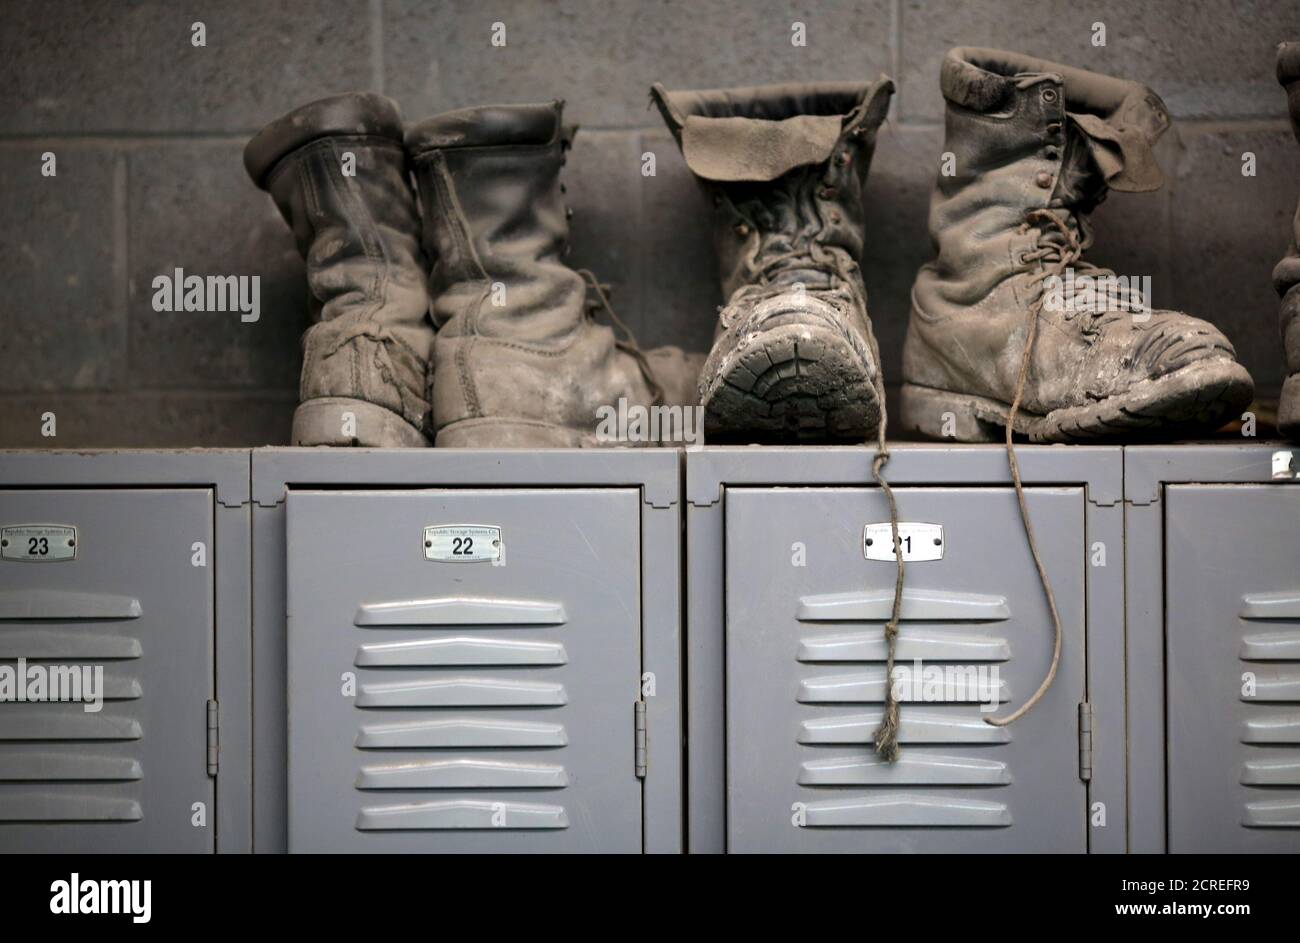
(1121, 120)
(763, 132)
(489, 126)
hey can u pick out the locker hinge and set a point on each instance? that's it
(214, 729)
(639, 749)
(1085, 742)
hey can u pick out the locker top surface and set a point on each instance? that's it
(1147, 467)
(655, 471)
(1099, 468)
(223, 470)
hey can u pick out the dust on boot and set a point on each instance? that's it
(337, 170)
(1286, 277)
(793, 352)
(1037, 147)
(519, 361)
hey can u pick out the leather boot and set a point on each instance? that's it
(519, 360)
(793, 353)
(337, 170)
(1037, 146)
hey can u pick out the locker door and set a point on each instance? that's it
(1232, 636)
(806, 674)
(452, 706)
(126, 598)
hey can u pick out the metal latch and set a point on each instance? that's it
(1284, 468)
(639, 759)
(1085, 741)
(214, 727)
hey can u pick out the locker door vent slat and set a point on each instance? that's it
(460, 651)
(22, 604)
(965, 654)
(461, 611)
(454, 713)
(62, 807)
(462, 814)
(460, 733)
(1271, 730)
(898, 810)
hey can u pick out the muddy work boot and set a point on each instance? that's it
(1286, 277)
(519, 360)
(793, 353)
(337, 170)
(1037, 146)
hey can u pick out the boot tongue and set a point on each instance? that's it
(751, 149)
(1121, 152)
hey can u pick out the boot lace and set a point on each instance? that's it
(1058, 257)
(627, 343)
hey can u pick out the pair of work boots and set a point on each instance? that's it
(1035, 147)
(460, 325)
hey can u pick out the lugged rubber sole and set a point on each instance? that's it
(791, 381)
(1197, 398)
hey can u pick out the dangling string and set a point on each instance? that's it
(1065, 256)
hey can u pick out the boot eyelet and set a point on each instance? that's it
(826, 192)
(1049, 95)
(1052, 153)
(1043, 179)
(842, 158)
(568, 212)
(742, 229)
(1054, 128)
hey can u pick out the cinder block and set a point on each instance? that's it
(1229, 230)
(62, 317)
(193, 207)
(94, 66)
(1204, 58)
(147, 420)
(603, 57)
(679, 270)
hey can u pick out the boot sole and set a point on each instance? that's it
(1197, 398)
(510, 434)
(792, 381)
(322, 422)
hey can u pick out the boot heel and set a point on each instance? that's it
(339, 420)
(939, 414)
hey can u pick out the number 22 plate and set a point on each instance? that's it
(462, 543)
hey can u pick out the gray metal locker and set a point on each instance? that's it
(481, 649)
(109, 569)
(787, 664)
(1226, 720)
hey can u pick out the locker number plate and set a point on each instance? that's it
(38, 543)
(462, 543)
(920, 541)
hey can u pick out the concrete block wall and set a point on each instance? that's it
(148, 129)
